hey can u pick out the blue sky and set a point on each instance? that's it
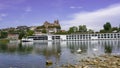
(93, 13)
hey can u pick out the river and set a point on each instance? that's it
(35, 54)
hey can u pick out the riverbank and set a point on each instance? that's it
(104, 61)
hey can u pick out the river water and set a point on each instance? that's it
(35, 55)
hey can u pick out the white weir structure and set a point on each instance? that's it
(76, 37)
(94, 36)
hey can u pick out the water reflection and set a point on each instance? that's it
(78, 45)
(15, 48)
(59, 52)
(90, 47)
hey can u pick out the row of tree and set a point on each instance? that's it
(108, 28)
(83, 29)
(80, 29)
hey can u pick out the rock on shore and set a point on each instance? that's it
(105, 61)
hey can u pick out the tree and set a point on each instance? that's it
(62, 33)
(102, 31)
(22, 34)
(70, 30)
(119, 29)
(115, 29)
(44, 31)
(30, 32)
(40, 27)
(90, 31)
(11, 31)
(107, 27)
(3, 34)
(73, 29)
(82, 28)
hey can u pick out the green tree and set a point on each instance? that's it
(73, 29)
(62, 33)
(82, 28)
(40, 27)
(116, 29)
(11, 31)
(107, 27)
(90, 31)
(119, 29)
(44, 31)
(30, 32)
(3, 34)
(102, 31)
(22, 34)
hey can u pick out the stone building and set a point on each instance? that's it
(47, 24)
(49, 27)
(52, 27)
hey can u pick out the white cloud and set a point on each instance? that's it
(95, 20)
(74, 7)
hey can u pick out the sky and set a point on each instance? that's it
(92, 13)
